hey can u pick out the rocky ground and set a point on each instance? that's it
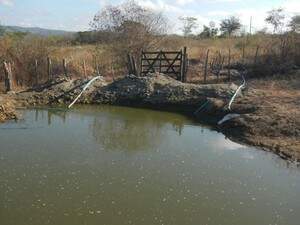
(269, 110)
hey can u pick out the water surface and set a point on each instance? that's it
(116, 165)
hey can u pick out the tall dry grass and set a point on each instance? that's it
(275, 54)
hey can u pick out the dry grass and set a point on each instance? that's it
(100, 59)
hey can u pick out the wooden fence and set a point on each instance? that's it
(171, 63)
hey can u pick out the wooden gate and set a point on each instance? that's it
(166, 62)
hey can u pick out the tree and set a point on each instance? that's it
(275, 18)
(213, 29)
(189, 24)
(209, 32)
(262, 31)
(205, 33)
(295, 24)
(2, 30)
(130, 26)
(230, 25)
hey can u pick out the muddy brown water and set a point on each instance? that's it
(116, 165)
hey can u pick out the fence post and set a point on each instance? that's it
(160, 59)
(141, 63)
(183, 66)
(65, 67)
(256, 55)
(8, 76)
(133, 65)
(243, 54)
(229, 64)
(112, 69)
(36, 71)
(84, 68)
(220, 66)
(129, 64)
(49, 65)
(205, 67)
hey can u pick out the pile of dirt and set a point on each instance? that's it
(60, 90)
(160, 90)
(154, 90)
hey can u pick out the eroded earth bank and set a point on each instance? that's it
(267, 113)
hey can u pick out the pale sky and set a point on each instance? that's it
(75, 15)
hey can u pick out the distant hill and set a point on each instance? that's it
(38, 31)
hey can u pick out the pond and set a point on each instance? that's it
(117, 165)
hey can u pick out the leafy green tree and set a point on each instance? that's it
(295, 24)
(275, 18)
(2, 30)
(213, 29)
(189, 24)
(205, 33)
(230, 25)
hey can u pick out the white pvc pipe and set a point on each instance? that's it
(229, 116)
(237, 91)
(86, 86)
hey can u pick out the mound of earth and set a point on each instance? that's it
(154, 90)
(59, 90)
(160, 90)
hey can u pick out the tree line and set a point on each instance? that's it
(232, 25)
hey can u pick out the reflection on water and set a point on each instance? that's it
(117, 165)
(131, 133)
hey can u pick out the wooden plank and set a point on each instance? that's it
(164, 66)
(151, 67)
(167, 58)
(158, 52)
(168, 73)
(171, 65)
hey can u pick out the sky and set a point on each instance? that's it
(75, 15)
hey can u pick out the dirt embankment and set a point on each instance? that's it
(155, 91)
(7, 109)
(269, 109)
(273, 119)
